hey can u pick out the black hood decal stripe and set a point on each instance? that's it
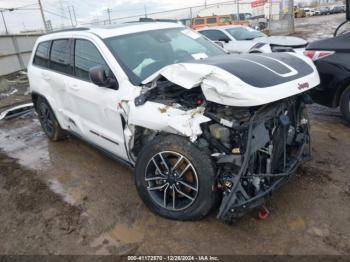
(262, 70)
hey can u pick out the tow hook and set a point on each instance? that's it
(263, 213)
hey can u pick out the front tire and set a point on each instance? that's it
(175, 179)
(345, 104)
(48, 121)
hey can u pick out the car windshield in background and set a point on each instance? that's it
(142, 54)
(242, 33)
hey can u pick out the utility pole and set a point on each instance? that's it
(291, 28)
(3, 19)
(205, 3)
(237, 7)
(109, 15)
(42, 15)
(144, 6)
(75, 18)
(70, 16)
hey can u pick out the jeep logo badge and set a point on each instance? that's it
(303, 86)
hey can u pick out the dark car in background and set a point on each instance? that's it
(325, 10)
(337, 9)
(332, 59)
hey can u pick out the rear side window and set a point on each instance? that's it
(87, 56)
(41, 57)
(199, 21)
(211, 20)
(224, 19)
(60, 56)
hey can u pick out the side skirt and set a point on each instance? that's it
(102, 150)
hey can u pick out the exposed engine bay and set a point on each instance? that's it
(254, 149)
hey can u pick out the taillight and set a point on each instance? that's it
(314, 55)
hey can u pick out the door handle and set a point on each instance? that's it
(74, 87)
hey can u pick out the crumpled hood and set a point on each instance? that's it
(244, 80)
(290, 41)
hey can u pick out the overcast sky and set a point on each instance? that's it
(28, 16)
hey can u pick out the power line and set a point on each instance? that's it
(53, 13)
(85, 3)
(23, 6)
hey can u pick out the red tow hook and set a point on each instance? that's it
(263, 213)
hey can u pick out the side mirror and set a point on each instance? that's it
(226, 40)
(219, 44)
(98, 77)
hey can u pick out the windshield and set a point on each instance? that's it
(142, 54)
(243, 33)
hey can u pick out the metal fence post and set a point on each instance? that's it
(3, 19)
(291, 28)
(18, 52)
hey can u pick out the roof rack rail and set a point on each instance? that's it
(68, 30)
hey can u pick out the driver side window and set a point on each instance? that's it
(215, 35)
(87, 56)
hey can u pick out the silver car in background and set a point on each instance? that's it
(244, 39)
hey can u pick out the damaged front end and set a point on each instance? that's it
(254, 126)
(256, 151)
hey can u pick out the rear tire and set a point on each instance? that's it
(198, 182)
(345, 104)
(48, 121)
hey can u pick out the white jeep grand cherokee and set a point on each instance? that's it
(199, 127)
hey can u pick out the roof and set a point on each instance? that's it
(120, 29)
(220, 27)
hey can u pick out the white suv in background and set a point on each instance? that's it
(244, 39)
(199, 127)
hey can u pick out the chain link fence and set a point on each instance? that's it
(273, 16)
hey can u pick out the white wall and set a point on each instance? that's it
(15, 52)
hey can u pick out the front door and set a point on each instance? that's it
(96, 114)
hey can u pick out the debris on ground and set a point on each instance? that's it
(16, 111)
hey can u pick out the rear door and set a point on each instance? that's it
(95, 108)
(59, 75)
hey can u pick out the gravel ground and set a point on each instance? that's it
(67, 198)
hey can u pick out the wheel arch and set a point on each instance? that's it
(340, 91)
(142, 136)
(36, 96)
